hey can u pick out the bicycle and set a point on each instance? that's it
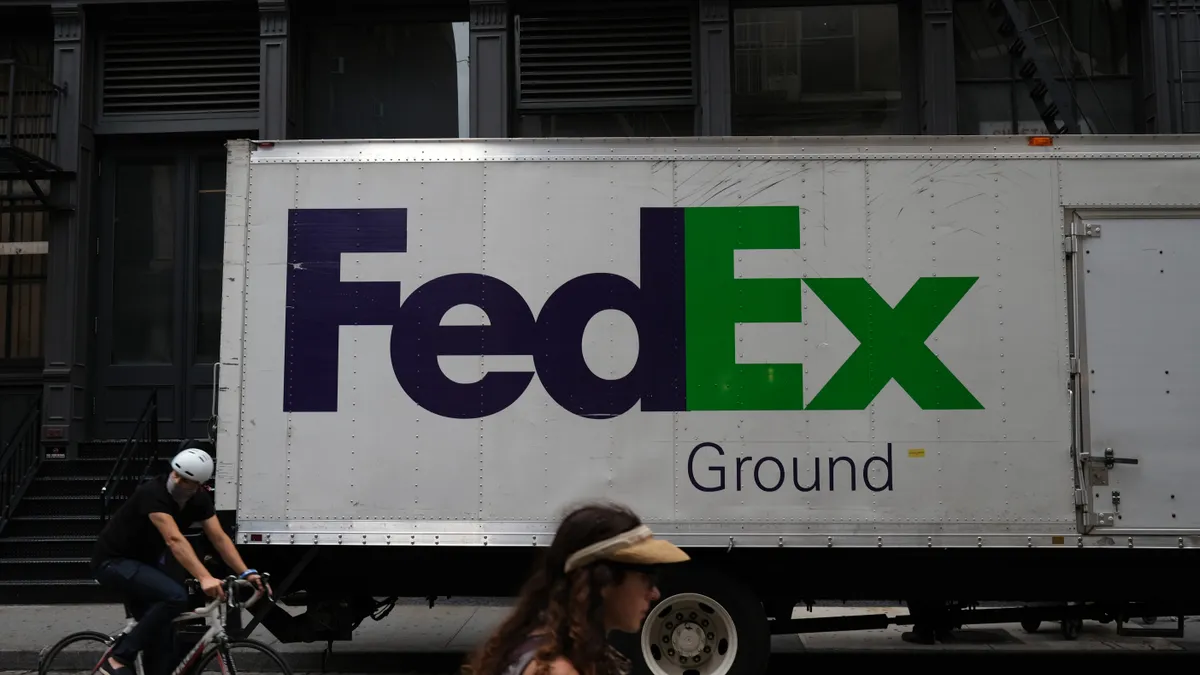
(215, 641)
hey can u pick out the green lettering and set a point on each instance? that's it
(716, 301)
(892, 344)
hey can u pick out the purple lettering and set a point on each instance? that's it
(319, 303)
(418, 339)
(559, 361)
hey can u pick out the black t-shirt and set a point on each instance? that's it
(131, 534)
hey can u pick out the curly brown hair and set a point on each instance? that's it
(564, 610)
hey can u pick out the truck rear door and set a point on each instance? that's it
(1138, 307)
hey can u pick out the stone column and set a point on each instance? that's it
(68, 329)
(716, 113)
(273, 80)
(938, 110)
(491, 79)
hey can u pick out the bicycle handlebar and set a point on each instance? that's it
(228, 585)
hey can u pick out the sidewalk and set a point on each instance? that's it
(434, 640)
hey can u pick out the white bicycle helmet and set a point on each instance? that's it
(193, 464)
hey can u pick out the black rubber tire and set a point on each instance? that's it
(748, 614)
(1031, 625)
(46, 660)
(253, 645)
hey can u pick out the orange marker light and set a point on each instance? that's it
(1041, 141)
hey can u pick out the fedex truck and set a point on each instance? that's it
(958, 372)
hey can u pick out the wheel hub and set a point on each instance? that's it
(693, 635)
(688, 639)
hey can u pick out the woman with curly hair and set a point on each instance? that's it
(599, 575)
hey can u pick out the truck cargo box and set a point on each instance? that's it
(863, 345)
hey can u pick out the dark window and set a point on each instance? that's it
(816, 70)
(199, 65)
(210, 238)
(28, 41)
(1173, 103)
(620, 69)
(1088, 45)
(386, 79)
(628, 123)
(22, 280)
(146, 212)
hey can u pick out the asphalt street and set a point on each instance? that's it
(787, 664)
(414, 639)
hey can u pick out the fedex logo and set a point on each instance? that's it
(685, 309)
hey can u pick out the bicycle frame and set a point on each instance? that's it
(214, 613)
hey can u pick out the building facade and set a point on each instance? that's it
(113, 118)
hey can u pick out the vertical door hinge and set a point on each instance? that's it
(1080, 500)
(1079, 229)
(1069, 244)
(1073, 365)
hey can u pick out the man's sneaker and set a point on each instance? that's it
(108, 669)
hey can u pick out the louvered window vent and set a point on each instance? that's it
(193, 65)
(573, 55)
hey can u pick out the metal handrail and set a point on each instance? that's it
(35, 73)
(19, 460)
(118, 477)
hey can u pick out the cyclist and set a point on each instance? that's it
(133, 546)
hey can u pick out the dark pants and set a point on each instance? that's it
(155, 600)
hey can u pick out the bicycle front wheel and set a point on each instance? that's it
(76, 652)
(247, 656)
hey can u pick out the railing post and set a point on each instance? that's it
(20, 458)
(145, 431)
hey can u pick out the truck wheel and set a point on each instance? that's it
(1070, 628)
(705, 624)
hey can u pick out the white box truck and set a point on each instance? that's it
(944, 370)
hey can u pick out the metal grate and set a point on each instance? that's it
(22, 277)
(196, 64)
(575, 55)
(27, 120)
(1183, 63)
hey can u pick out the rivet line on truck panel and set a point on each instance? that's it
(245, 271)
(733, 157)
(731, 542)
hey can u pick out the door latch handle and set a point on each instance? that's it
(1109, 460)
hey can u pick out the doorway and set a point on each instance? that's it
(160, 239)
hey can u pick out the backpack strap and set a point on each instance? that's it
(523, 655)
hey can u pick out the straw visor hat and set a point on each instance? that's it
(635, 547)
